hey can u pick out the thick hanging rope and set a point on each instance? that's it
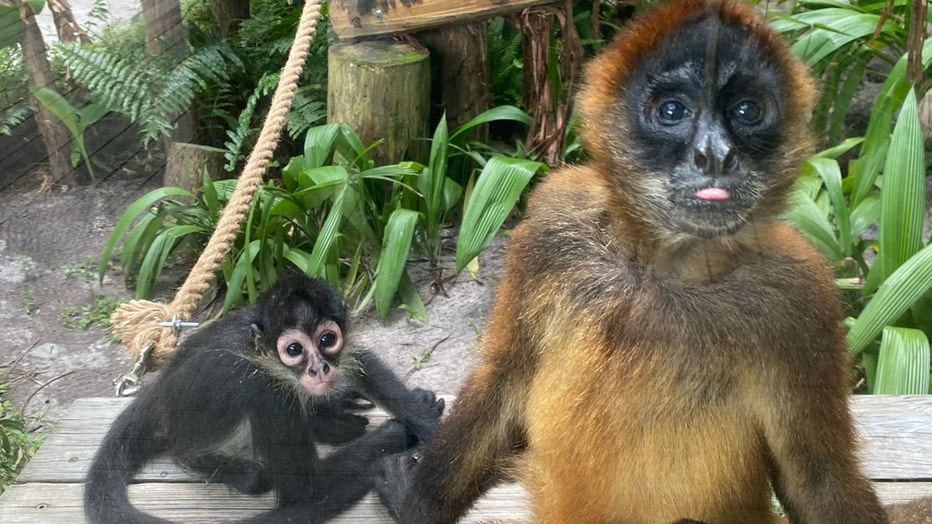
(137, 321)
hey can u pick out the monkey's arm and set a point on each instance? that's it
(808, 426)
(814, 474)
(485, 429)
(419, 409)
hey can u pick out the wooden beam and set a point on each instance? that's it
(358, 18)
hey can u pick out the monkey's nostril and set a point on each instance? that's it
(326, 369)
(700, 159)
(312, 371)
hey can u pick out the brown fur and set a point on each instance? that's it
(631, 374)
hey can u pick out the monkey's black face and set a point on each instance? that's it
(706, 108)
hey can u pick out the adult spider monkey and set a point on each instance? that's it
(662, 346)
(280, 371)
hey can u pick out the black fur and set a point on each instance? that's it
(214, 384)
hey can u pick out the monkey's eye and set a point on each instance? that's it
(671, 112)
(747, 112)
(327, 340)
(294, 349)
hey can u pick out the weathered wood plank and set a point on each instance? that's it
(894, 492)
(896, 434)
(357, 18)
(39, 503)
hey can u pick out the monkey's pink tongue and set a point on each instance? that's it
(713, 193)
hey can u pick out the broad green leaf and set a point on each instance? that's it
(159, 250)
(319, 143)
(840, 149)
(328, 235)
(492, 115)
(876, 138)
(902, 200)
(865, 214)
(830, 173)
(431, 185)
(894, 296)
(903, 366)
(396, 243)
(11, 28)
(497, 190)
(411, 299)
(812, 222)
(238, 276)
(132, 212)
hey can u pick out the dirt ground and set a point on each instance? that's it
(51, 238)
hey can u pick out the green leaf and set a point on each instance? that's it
(894, 296)
(865, 214)
(141, 205)
(36, 5)
(11, 28)
(491, 115)
(410, 298)
(159, 250)
(497, 190)
(812, 222)
(830, 173)
(70, 116)
(876, 138)
(328, 235)
(396, 243)
(319, 143)
(903, 367)
(436, 173)
(902, 200)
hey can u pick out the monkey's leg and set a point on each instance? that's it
(343, 478)
(246, 476)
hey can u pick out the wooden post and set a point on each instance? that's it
(382, 90)
(186, 164)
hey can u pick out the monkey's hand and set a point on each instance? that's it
(339, 427)
(391, 437)
(422, 414)
(393, 479)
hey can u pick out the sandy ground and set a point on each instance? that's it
(48, 240)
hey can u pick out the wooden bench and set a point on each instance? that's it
(896, 434)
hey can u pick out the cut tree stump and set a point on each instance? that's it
(186, 163)
(382, 90)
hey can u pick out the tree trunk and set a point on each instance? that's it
(166, 34)
(460, 77)
(65, 24)
(228, 14)
(54, 133)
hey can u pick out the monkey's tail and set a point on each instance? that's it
(130, 443)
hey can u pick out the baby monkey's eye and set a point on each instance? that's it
(294, 349)
(328, 340)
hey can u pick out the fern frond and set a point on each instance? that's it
(13, 116)
(244, 130)
(306, 112)
(121, 86)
